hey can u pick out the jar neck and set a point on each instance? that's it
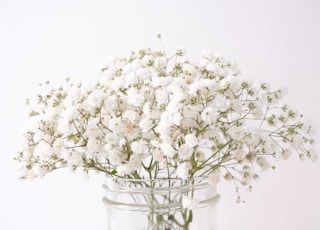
(158, 194)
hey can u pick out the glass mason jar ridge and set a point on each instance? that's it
(160, 204)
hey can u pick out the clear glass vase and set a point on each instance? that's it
(161, 204)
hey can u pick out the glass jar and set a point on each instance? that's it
(160, 204)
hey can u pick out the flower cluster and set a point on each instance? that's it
(163, 117)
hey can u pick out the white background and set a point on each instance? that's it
(272, 40)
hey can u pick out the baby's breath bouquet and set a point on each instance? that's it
(153, 116)
(156, 121)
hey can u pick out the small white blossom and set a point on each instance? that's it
(96, 99)
(124, 169)
(236, 133)
(76, 159)
(157, 154)
(135, 163)
(39, 171)
(116, 157)
(71, 113)
(148, 60)
(191, 140)
(93, 145)
(236, 105)
(139, 147)
(162, 96)
(135, 97)
(118, 83)
(188, 69)
(263, 163)
(131, 116)
(189, 203)
(185, 152)
(51, 113)
(213, 178)
(209, 115)
(167, 150)
(116, 125)
(297, 142)
(286, 153)
(221, 103)
(146, 124)
(183, 170)
(43, 150)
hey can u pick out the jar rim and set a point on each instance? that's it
(147, 185)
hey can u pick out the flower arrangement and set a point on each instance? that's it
(153, 116)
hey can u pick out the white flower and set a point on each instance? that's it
(297, 142)
(116, 157)
(236, 105)
(70, 113)
(39, 171)
(117, 84)
(211, 66)
(148, 60)
(116, 125)
(43, 150)
(135, 97)
(207, 54)
(171, 117)
(188, 69)
(313, 155)
(224, 84)
(112, 138)
(135, 162)
(158, 81)
(22, 171)
(209, 115)
(131, 116)
(92, 128)
(157, 154)
(162, 96)
(286, 153)
(196, 87)
(65, 127)
(191, 140)
(96, 99)
(213, 178)
(189, 203)
(263, 163)
(131, 67)
(145, 124)
(73, 97)
(185, 152)
(183, 170)
(76, 159)
(51, 113)
(124, 169)
(139, 147)
(144, 74)
(167, 150)
(131, 79)
(93, 145)
(221, 103)
(236, 132)
(234, 82)
(161, 63)
(240, 154)
(180, 51)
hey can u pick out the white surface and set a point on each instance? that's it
(273, 41)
